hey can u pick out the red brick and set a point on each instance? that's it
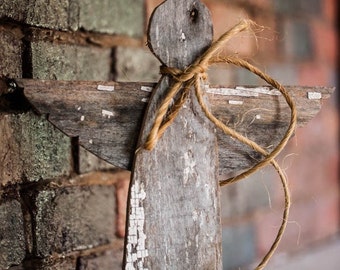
(315, 168)
(267, 39)
(325, 42)
(109, 259)
(267, 4)
(330, 10)
(309, 222)
(79, 217)
(317, 219)
(314, 73)
(225, 16)
(122, 189)
(150, 5)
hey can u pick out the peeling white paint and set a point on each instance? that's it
(109, 88)
(260, 90)
(108, 114)
(243, 91)
(235, 102)
(314, 95)
(231, 92)
(146, 88)
(136, 248)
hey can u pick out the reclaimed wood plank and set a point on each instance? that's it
(174, 209)
(76, 108)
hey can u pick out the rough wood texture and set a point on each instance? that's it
(174, 211)
(76, 108)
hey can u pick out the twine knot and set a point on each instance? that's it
(188, 74)
(192, 77)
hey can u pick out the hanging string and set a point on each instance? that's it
(192, 76)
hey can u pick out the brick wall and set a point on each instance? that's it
(52, 218)
(49, 217)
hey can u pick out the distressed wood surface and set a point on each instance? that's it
(174, 211)
(107, 116)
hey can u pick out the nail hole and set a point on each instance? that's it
(194, 14)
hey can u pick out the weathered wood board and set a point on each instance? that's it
(91, 110)
(174, 209)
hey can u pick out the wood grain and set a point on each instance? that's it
(262, 116)
(174, 187)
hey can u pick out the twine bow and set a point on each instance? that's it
(192, 76)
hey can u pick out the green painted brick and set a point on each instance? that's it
(89, 162)
(245, 77)
(73, 218)
(136, 64)
(44, 151)
(247, 196)
(299, 43)
(285, 73)
(115, 17)
(14, 9)
(109, 260)
(10, 54)
(238, 246)
(31, 149)
(106, 16)
(298, 7)
(69, 62)
(49, 14)
(12, 239)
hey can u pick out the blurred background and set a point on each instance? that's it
(105, 40)
(298, 45)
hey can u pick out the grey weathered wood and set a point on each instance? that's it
(174, 212)
(75, 107)
(174, 205)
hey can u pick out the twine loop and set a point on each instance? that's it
(192, 76)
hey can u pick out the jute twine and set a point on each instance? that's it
(192, 76)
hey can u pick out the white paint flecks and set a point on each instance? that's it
(82, 118)
(146, 88)
(235, 102)
(79, 108)
(146, 100)
(109, 88)
(183, 37)
(107, 114)
(136, 250)
(189, 166)
(195, 215)
(90, 141)
(258, 116)
(314, 95)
